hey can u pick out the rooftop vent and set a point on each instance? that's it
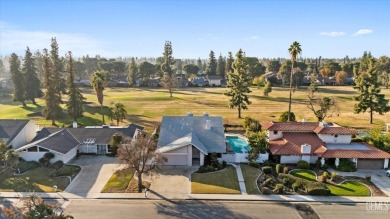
(190, 114)
(205, 114)
(74, 124)
(304, 120)
(208, 124)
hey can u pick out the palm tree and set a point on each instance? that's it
(117, 112)
(97, 82)
(294, 50)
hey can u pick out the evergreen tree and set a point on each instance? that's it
(132, 73)
(267, 88)
(199, 64)
(370, 97)
(229, 63)
(74, 105)
(17, 79)
(211, 68)
(33, 85)
(97, 82)
(169, 81)
(239, 83)
(221, 66)
(58, 81)
(51, 97)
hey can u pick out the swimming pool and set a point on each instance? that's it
(238, 144)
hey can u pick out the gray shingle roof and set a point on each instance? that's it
(174, 128)
(9, 128)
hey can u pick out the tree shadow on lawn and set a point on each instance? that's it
(335, 91)
(197, 209)
(279, 99)
(343, 188)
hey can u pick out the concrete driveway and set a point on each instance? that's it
(94, 174)
(378, 177)
(172, 180)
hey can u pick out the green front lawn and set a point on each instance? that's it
(349, 188)
(118, 181)
(250, 176)
(220, 182)
(304, 174)
(38, 180)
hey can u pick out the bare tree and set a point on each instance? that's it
(140, 154)
(322, 107)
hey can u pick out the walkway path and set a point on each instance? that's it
(241, 179)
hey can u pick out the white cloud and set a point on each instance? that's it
(16, 40)
(254, 37)
(333, 34)
(363, 32)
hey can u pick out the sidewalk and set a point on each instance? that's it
(211, 197)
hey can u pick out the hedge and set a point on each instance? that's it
(266, 170)
(303, 165)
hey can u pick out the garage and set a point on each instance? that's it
(370, 163)
(176, 159)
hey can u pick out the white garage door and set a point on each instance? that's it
(176, 160)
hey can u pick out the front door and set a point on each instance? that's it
(101, 149)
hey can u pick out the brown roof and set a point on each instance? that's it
(374, 153)
(290, 126)
(292, 142)
(333, 131)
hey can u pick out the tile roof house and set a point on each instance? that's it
(17, 132)
(185, 140)
(291, 142)
(66, 142)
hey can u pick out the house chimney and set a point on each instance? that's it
(190, 114)
(74, 124)
(305, 149)
(208, 124)
(304, 120)
(205, 114)
(324, 124)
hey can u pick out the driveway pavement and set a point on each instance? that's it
(172, 180)
(378, 177)
(94, 174)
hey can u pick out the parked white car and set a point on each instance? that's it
(388, 173)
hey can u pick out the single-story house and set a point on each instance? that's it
(186, 140)
(291, 142)
(17, 132)
(154, 82)
(214, 80)
(65, 143)
(199, 82)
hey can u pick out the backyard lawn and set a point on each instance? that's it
(38, 180)
(250, 176)
(220, 182)
(347, 188)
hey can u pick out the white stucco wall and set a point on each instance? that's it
(289, 159)
(215, 82)
(70, 155)
(313, 159)
(35, 156)
(341, 139)
(180, 156)
(241, 158)
(272, 136)
(24, 136)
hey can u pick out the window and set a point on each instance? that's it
(336, 136)
(42, 149)
(275, 132)
(32, 149)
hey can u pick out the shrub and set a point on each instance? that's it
(319, 191)
(309, 186)
(267, 163)
(205, 169)
(295, 186)
(49, 156)
(303, 164)
(247, 122)
(346, 165)
(42, 161)
(267, 181)
(279, 168)
(279, 188)
(214, 160)
(334, 175)
(285, 170)
(325, 175)
(219, 166)
(286, 181)
(68, 170)
(25, 166)
(224, 164)
(266, 170)
(265, 191)
(254, 164)
(368, 177)
(57, 165)
(284, 117)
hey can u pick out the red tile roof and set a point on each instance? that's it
(292, 142)
(333, 131)
(290, 126)
(374, 153)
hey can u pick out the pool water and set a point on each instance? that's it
(239, 145)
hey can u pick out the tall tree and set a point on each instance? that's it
(294, 50)
(273, 66)
(383, 67)
(169, 81)
(51, 96)
(97, 82)
(229, 63)
(146, 70)
(17, 78)
(74, 105)
(221, 65)
(32, 85)
(267, 88)
(141, 156)
(370, 97)
(132, 72)
(58, 81)
(118, 112)
(2, 68)
(322, 107)
(211, 68)
(191, 69)
(238, 83)
(258, 143)
(199, 64)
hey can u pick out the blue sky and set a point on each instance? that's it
(139, 28)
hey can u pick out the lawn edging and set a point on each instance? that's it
(257, 185)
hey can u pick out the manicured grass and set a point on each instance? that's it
(349, 188)
(37, 180)
(146, 106)
(304, 174)
(119, 181)
(220, 182)
(250, 176)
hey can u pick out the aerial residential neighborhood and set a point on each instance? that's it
(194, 109)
